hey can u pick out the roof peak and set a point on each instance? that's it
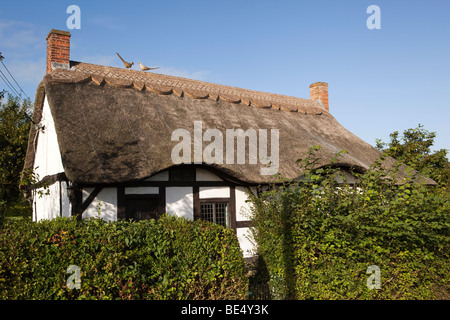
(168, 84)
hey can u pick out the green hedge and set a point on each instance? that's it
(171, 258)
(316, 238)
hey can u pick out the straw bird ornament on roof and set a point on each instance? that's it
(144, 68)
(125, 63)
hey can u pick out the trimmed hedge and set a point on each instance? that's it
(171, 258)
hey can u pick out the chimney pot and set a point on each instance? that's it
(319, 91)
(58, 50)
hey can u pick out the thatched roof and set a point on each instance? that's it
(115, 125)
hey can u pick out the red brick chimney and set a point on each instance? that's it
(58, 50)
(319, 91)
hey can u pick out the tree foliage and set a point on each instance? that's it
(15, 121)
(413, 148)
(317, 237)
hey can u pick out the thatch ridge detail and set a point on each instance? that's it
(195, 89)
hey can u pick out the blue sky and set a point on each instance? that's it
(380, 81)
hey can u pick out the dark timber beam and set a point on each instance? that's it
(79, 206)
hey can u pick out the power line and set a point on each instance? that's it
(1, 60)
(8, 83)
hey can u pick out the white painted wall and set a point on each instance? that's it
(46, 204)
(48, 162)
(214, 192)
(243, 214)
(66, 205)
(48, 157)
(180, 201)
(242, 207)
(106, 199)
(245, 241)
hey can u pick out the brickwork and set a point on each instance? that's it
(58, 48)
(319, 91)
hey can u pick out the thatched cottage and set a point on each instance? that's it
(124, 143)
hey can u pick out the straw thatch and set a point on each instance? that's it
(115, 125)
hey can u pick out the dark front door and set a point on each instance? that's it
(141, 208)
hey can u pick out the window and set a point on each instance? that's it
(182, 174)
(216, 212)
(141, 207)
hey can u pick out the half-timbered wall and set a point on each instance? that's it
(180, 198)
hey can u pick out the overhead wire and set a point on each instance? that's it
(1, 60)
(11, 86)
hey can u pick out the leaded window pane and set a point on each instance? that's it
(207, 211)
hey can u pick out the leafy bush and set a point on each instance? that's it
(171, 258)
(413, 148)
(317, 237)
(15, 121)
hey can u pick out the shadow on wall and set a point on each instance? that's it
(180, 199)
